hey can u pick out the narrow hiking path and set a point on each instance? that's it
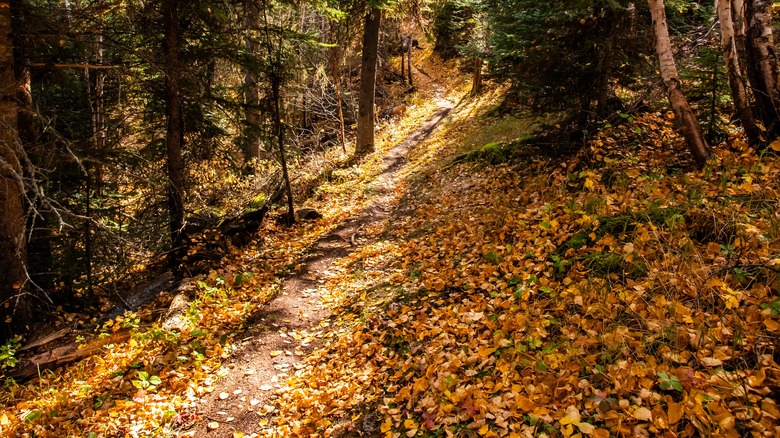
(287, 328)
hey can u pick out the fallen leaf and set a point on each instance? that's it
(674, 412)
(586, 428)
(711, 362)
(525, 403)
(757, 379)
(643, 414)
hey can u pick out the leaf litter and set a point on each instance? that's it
(615, 292)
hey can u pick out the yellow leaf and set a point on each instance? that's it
(754, 380)
(588, 183)
(600, 433)
(410, 424)
(643, 414)
(525, 403)
(213, 425)
(484, 352)
(276, 353)
(4, 421)
(775, 145)
(675, 412)
(420, 385)
(238, 434)
(772, 325)
(484, 429)
(586, 428)
(386, 425)
(711, 362)
(411, 433)
(633, 173)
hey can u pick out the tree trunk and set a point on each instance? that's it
(14, 308)
(476, 76)
(251, 89)
(275, 76)
(279, 126)
(762, 64)
(409, 40)
(736, 81)
(691, 129)
(403, 60)
(738, 21)
(365, 130)
(604, 59)
(337, 85)
(174, 139)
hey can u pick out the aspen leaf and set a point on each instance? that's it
(525, 403)
(711, 362)
(586, 428)
(212, 425)
(757, 379)
(643, 414)
(674, 412)
(588, 183)
(775, 145)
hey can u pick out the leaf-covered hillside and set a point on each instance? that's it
(617, 292)
(512, 291)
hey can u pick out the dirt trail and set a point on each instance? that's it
(286, 329)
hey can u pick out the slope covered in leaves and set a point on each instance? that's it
(614, 293)
(146, 380)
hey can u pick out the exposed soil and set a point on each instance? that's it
(286, 329)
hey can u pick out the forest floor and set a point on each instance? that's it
(462, 283)
(280, 333)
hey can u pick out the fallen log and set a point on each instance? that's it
(48, 360)
(43, 340)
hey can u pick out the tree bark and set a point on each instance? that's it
(738, 21)
(691, 129)
(365, 129)
(337, 88)
(174, 139)
(409, 40)
(476, 76)
(14, 308)
(275, 76)
(279, 126)
(762, 64)
(251, 89)
(403, 60)
(736, 80)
